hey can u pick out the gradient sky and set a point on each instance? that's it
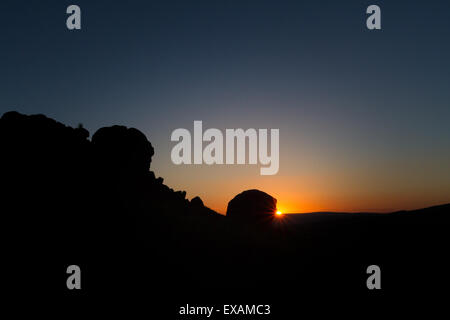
(363, 115)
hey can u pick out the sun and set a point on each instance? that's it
(279, 213)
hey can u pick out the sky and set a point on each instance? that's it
(363, 115)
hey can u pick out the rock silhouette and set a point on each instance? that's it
(252, 205)
(92, 197)
(122, 148)
(197, 202)
(67, 200)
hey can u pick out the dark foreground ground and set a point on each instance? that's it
(67, 199)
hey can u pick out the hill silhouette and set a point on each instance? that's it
(70, 200)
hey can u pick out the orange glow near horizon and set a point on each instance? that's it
(279, 213)
(313, 186)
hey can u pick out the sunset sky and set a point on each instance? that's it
(363, 115)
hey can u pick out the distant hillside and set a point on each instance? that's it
(443, 209)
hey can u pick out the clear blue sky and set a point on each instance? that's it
(363, 115)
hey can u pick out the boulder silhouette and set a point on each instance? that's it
(253, 205)
(123, 148)
(197, 202)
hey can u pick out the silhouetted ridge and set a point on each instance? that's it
(54, 176)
